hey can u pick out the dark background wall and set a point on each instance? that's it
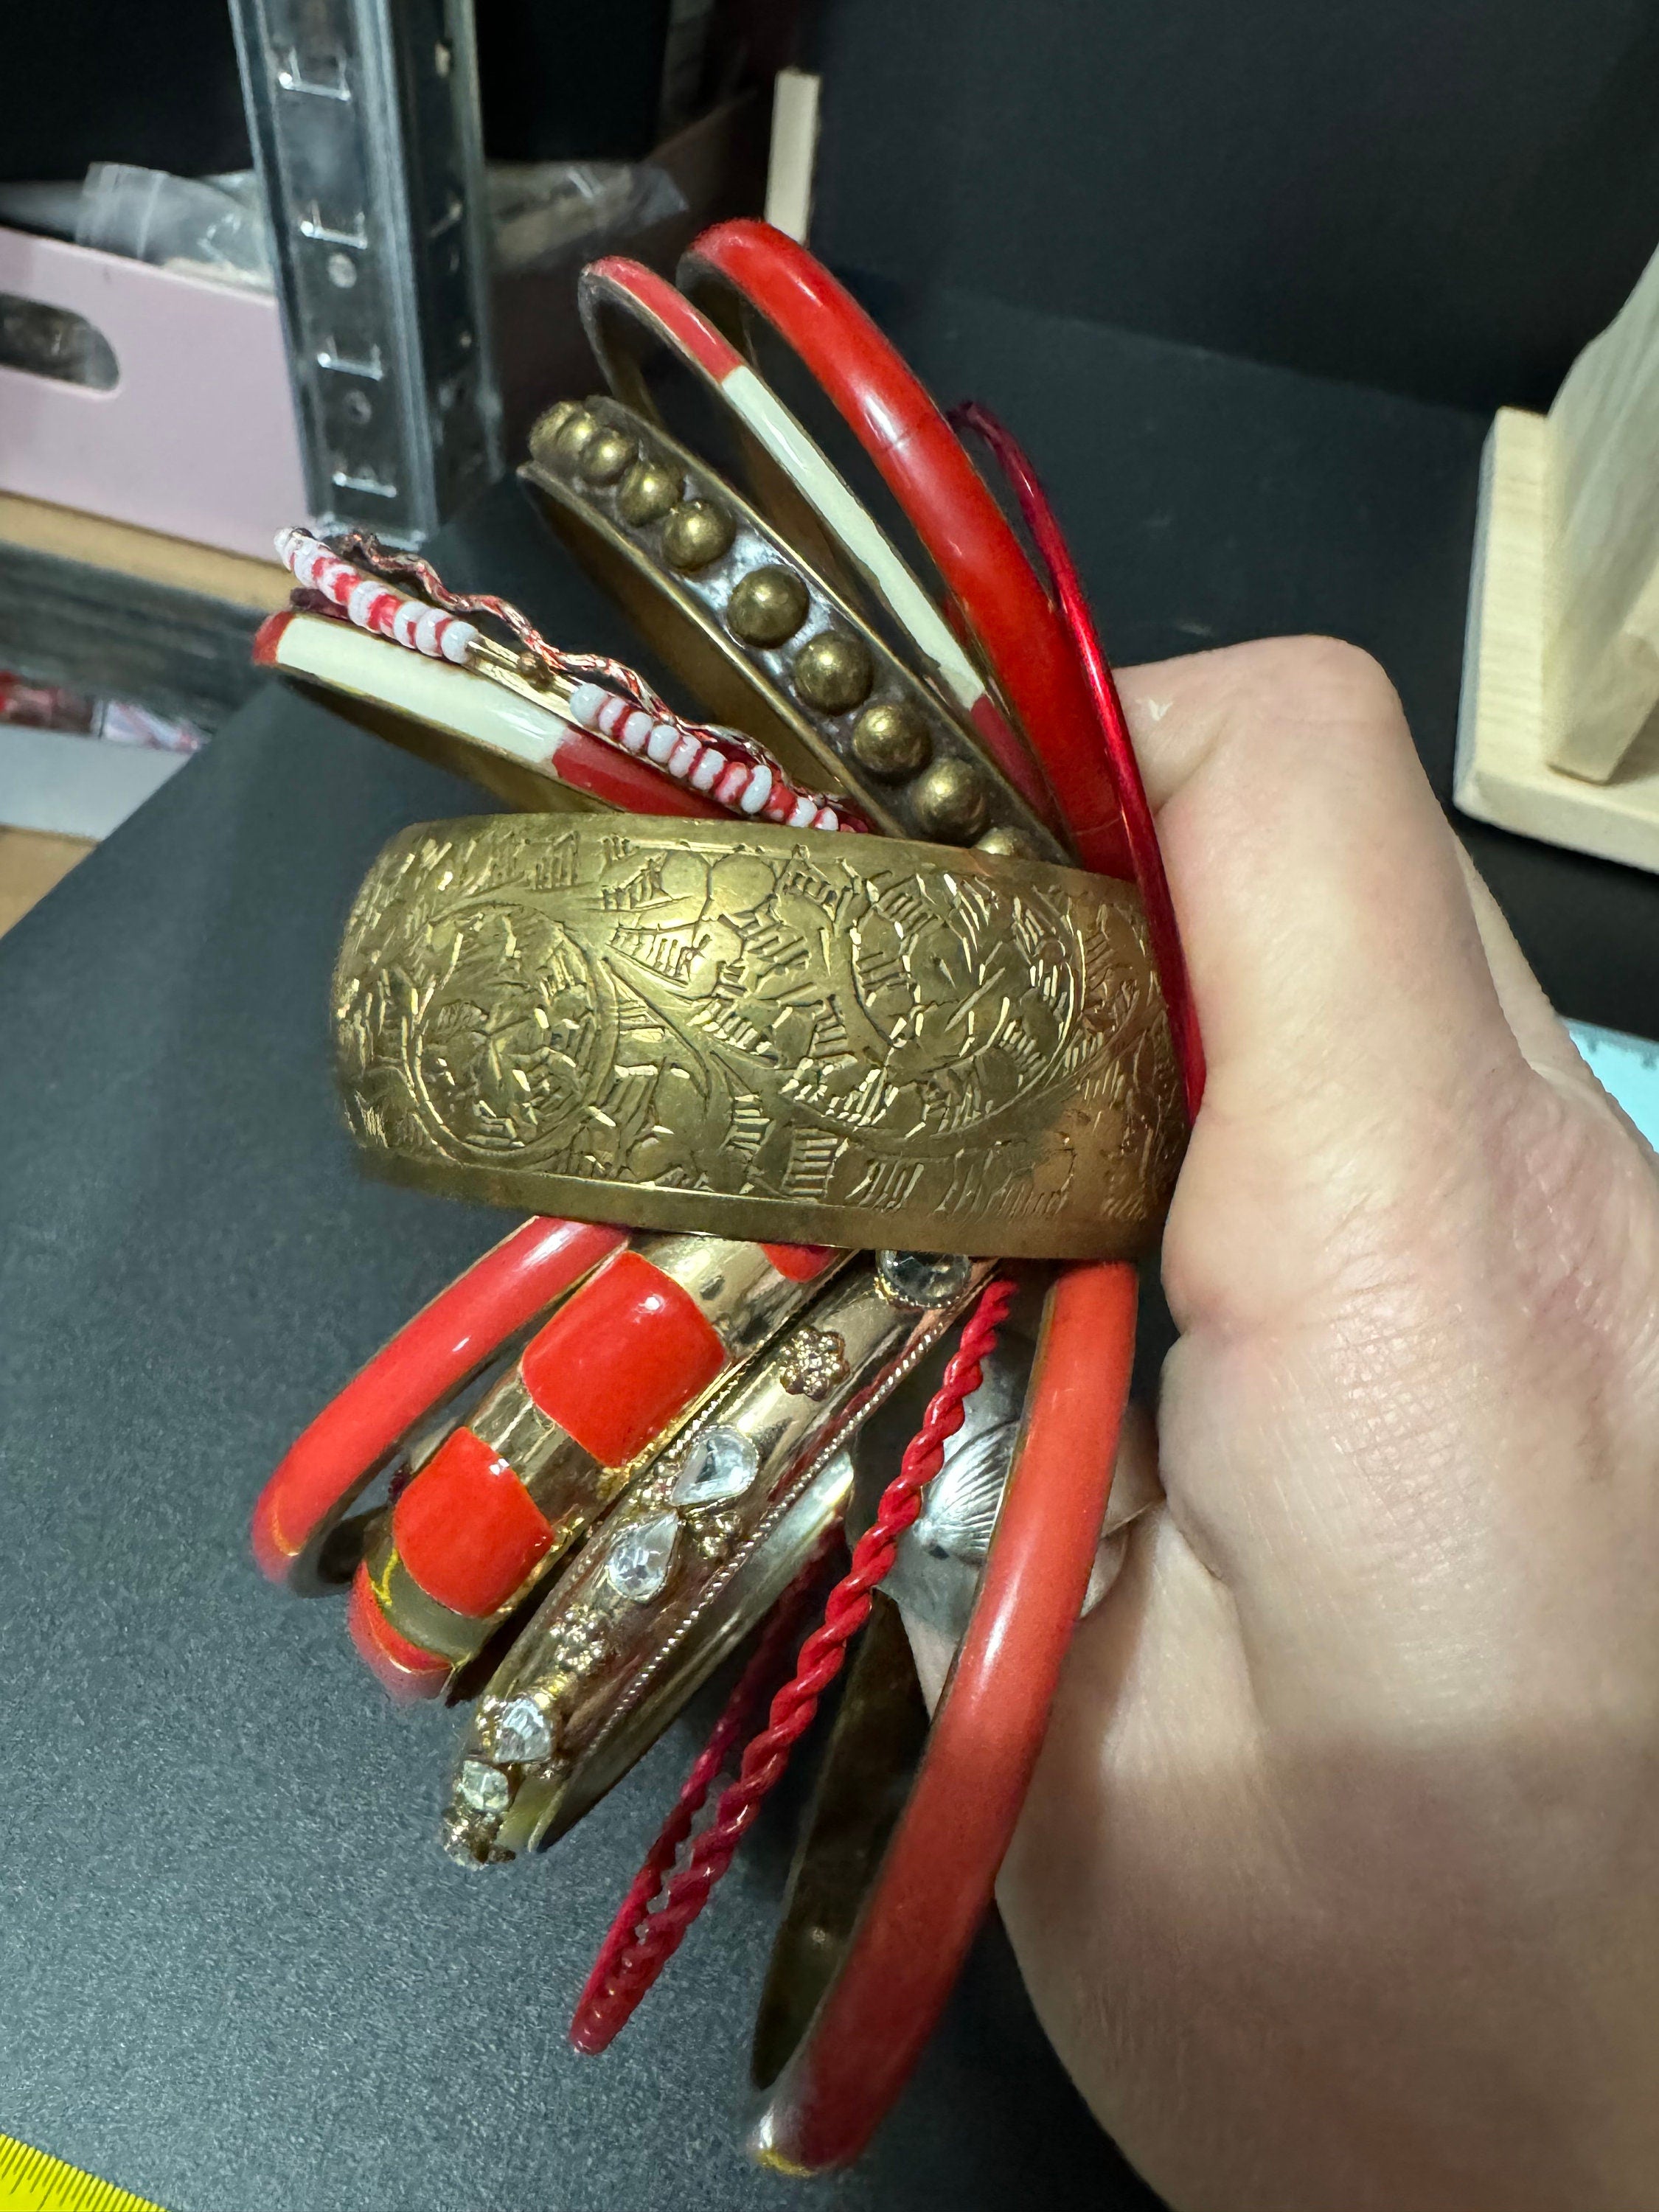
(1441, 196)
(153, 81)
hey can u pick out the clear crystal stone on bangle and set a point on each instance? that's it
(721, 1463)
(641, 1557)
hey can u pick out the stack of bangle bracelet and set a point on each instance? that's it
(784, 1072)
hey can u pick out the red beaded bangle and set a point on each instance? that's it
(621, 301)
(985, 569)
(432, 1356)
(936, 1877)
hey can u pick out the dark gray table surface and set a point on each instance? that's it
(235, 1975)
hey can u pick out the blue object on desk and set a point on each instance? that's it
(1626, 1066)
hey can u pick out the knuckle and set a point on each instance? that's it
(1328, 679)
(1298, 698)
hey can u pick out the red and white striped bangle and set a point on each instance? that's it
(626, 306)
(753, 271)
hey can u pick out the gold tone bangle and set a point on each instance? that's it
(756, 1032)
(482, 1826)
(710, 1534)
(760, 638)
(416, 1614)
(867, 1766)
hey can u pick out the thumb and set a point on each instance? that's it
(1350, 1019)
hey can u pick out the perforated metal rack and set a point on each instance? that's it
(363, 116)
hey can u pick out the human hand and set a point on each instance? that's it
(1338, 1884)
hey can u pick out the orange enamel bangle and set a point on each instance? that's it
(453, 1338)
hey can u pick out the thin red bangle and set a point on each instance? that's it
(948, 505)
(331, 1462)
(1150, 878)
(936, 1878)
(615, 286)
(858, 2055)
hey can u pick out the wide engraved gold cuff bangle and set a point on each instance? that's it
(708, 1534)
(756, 1032)
(760, 638)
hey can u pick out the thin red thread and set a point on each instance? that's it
(640, 1944)
(360, 545)
(1137, 824)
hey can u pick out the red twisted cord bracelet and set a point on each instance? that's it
(755, 1686)
(640, 1944)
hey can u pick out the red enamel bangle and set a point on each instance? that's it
(895, 418)
(432, 1356)
(935, 1879)
(626, 306)
(508, 1492)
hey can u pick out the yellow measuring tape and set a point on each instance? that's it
(31, 2182)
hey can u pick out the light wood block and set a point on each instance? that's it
(794, 152)
(1602, 544)
(1510, 722)
(1558, 733)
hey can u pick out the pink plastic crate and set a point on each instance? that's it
(196, 438)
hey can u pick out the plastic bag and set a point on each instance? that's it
(540, 211)
(199, 226)
(215, 227)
